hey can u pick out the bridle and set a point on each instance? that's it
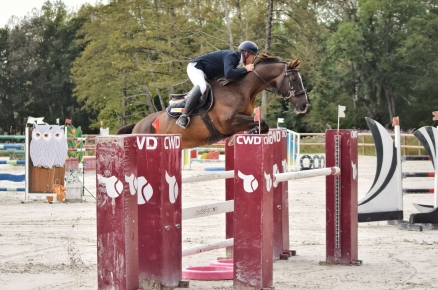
(291, 92)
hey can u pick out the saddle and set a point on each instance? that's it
(205, 103)
(177, 103)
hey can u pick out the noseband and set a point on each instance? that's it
(291, 92)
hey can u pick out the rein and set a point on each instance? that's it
(290, 93)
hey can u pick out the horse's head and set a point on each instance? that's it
(291, 87)
(285, 78)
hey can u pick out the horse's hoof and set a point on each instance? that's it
(183, 121)
(254, 130)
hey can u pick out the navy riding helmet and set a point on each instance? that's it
(249, 46)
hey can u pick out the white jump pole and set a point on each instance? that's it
(208, 176)
(207, 209)
(208, 247)
(306, 174)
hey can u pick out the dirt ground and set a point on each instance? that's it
(53, 246)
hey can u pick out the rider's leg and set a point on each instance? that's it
(196, 76)
(191, 101)
(198, 80)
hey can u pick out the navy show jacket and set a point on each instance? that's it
(221, 63)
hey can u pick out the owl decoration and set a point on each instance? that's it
(60, 148)
(42, 146)
(36, 146)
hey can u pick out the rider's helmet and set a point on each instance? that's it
(249, 46)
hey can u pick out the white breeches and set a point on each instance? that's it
(197, 76)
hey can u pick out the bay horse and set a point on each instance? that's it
(233, 105)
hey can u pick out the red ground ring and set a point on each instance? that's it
(208, 273)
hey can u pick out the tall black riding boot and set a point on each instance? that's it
(192, 100)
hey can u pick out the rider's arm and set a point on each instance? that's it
(231, 61)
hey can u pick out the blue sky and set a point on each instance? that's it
(20, 8)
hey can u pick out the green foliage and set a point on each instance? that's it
(73, 132)
(378, 64)
(118, 62)
(39, 50)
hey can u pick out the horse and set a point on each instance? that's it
(233, 105)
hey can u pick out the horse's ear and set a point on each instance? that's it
(295, 63)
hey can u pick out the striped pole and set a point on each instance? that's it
(418, 190)
(12, 177)
(9, 137)
(418, 174)
(14, 162)
(12, 146)
(11, 188)
(415, 158)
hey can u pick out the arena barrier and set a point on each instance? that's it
(384, 200)
(292, 156)
(12, 137)
(428, 136)
(421, 208)
(12, 148)
(280, 207)
(139, 209)
(13, 178)
(280, 196)
(38, 182)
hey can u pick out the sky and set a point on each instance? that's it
(20, 8)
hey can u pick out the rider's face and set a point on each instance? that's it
(250, 58)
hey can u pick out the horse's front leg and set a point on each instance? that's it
(244, 123)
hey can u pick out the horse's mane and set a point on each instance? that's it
(264, 58)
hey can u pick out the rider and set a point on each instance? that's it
(221, 63)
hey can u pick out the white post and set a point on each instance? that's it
(26, 163)
(397, 143)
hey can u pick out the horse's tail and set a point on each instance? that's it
(126, 130)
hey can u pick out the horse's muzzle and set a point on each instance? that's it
(302, 108)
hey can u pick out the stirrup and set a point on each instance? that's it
(181, 125)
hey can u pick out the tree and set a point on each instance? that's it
(6, 101)
(378, 58)
(40, 49)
